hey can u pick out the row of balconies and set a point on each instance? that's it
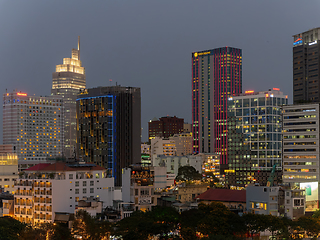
(22, 212)
(23, 193)
(43, 200)
(23, 203)
(43, 192)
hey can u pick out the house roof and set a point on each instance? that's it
(62, 166)
(223, 195)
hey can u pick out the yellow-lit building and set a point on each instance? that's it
(67, 81)
(183, 143)
(8, 171)
(33, 126)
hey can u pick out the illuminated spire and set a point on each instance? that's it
(79, 47)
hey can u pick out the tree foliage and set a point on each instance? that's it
(188, 173)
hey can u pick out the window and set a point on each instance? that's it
(91, 190)
(288, 201)
(84, 190)
(84, 183)
(76, 199)
(70, 176)
(77, 190)
(136, 192)
(91, 183)
(77, 183)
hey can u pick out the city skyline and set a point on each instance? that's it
(119, 41)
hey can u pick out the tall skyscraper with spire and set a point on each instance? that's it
(67, 81)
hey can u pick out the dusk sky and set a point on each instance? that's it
(148, 44)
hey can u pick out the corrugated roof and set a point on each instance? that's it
(223, 195)
(61, 166)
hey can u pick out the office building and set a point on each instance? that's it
(301, 150)
(257, 120)
(216, 75)
(165, 127)
(163, 146)
(33, 126)
(47, 189)
(67, 81)
(306, 63)
(108, 124)
(183, 143)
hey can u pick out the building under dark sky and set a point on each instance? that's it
(108, 124)
(216, 74)
(165, 127)
(306, 63)
(67, 81)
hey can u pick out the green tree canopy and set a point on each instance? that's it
(188, 173)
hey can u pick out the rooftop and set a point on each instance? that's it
(223, 195)
(61, 167)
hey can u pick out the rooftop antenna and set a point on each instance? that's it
(79, 47)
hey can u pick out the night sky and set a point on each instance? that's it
(148, 44)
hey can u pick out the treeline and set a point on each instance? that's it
(213, 221)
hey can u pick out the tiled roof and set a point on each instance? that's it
(223, 195)
(61, 166)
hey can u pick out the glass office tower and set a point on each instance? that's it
(258, 117)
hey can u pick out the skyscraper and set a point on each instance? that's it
(254, 133)
(67, 81)
(108, 124)
(306, 63)
(33, 126)
(216, 74)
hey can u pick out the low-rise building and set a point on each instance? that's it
(91, 205)
(163, 146)
(189, 193)
(277, 201)
(45, 189)
(138, 187)
(8, 171)
(233, 199)
(173, 163)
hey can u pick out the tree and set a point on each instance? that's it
(90, 228)
(10, 228)
(188, 173)
(255, 223)
(310, 225)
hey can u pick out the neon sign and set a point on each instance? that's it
(196, 54)
(276, 89)
(312, 43)
(249, 91)
(297, 42)
(21, 94)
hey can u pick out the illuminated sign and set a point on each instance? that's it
(21, 94)
(249, 91)
(315, 42)
(297, 42)
(276, 89)
(196, 54)
(229, 171)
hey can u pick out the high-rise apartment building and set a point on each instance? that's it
(108, 127)
(257, 121)
(165, 127)
(306, 64)
(216, 75)
(67, 81)
(301, 150)
(33, 126)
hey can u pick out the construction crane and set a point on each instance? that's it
(272, 175)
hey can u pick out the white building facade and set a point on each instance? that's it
(301, 150)
(46, 188)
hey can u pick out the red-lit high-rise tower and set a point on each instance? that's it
(216, 74)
